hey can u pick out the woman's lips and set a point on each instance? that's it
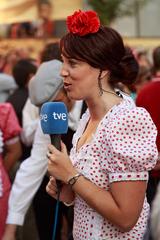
(67, 86)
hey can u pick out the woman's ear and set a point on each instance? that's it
(104, 73)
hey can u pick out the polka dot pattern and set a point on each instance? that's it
(123, 148)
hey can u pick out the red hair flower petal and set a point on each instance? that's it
(83, 23)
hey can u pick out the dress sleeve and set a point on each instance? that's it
(11, 127)
(131, 146)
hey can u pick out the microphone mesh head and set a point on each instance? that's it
(54, 118)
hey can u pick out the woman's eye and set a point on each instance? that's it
(72, 63)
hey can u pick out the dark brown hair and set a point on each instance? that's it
(156, 59)
(51, 51)
(104, 50)
(22, 71)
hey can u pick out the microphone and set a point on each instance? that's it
(54, 121)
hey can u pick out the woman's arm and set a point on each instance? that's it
(30, 123)
(121, 205)
(10, 232)
(13, 152)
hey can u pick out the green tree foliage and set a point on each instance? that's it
(109, 10)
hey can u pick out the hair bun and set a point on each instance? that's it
(128, 67)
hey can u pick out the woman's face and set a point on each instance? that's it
(80, 79)
(62, 97)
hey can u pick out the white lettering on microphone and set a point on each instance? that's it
(59, 116)
(43, 117)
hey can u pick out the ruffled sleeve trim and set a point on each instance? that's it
(128, 176)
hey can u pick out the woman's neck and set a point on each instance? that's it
(99, 106)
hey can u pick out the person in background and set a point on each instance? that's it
(7, 86)
(107, 170)
(13, 31)
(7, 82)
(51, 51)
(143, 59)
(45, 86)
(45, 26)
(10, 152)
(149, 98)
(26, 30)
(11, 58)
(23, 71)
(144, 76)
(30, 112)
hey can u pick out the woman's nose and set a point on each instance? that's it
(63, 71)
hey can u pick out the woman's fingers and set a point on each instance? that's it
(64, 148)
(52, 180)
(51, 187)
(53, 154)
(52, 149)
(50, 157)
(59, 164)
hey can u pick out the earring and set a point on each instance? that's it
(100, 84)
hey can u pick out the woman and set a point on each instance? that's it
(114, 146)
(10, 152)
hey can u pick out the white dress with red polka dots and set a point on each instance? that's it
(123, 148)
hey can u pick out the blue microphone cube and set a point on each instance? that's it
(54, 118)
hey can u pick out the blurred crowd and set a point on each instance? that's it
(43, 27)
(25, 84)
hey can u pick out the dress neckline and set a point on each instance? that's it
(86, 120)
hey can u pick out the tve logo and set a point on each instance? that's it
(59, 116)
(43, 117)
(54, 118)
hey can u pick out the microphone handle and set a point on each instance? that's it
(56, 141)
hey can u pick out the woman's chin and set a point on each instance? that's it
(73, 96)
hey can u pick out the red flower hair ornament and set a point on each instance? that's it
(82, 23)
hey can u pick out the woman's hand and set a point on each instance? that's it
(10, 232)
(66, 194)
(59, 163)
